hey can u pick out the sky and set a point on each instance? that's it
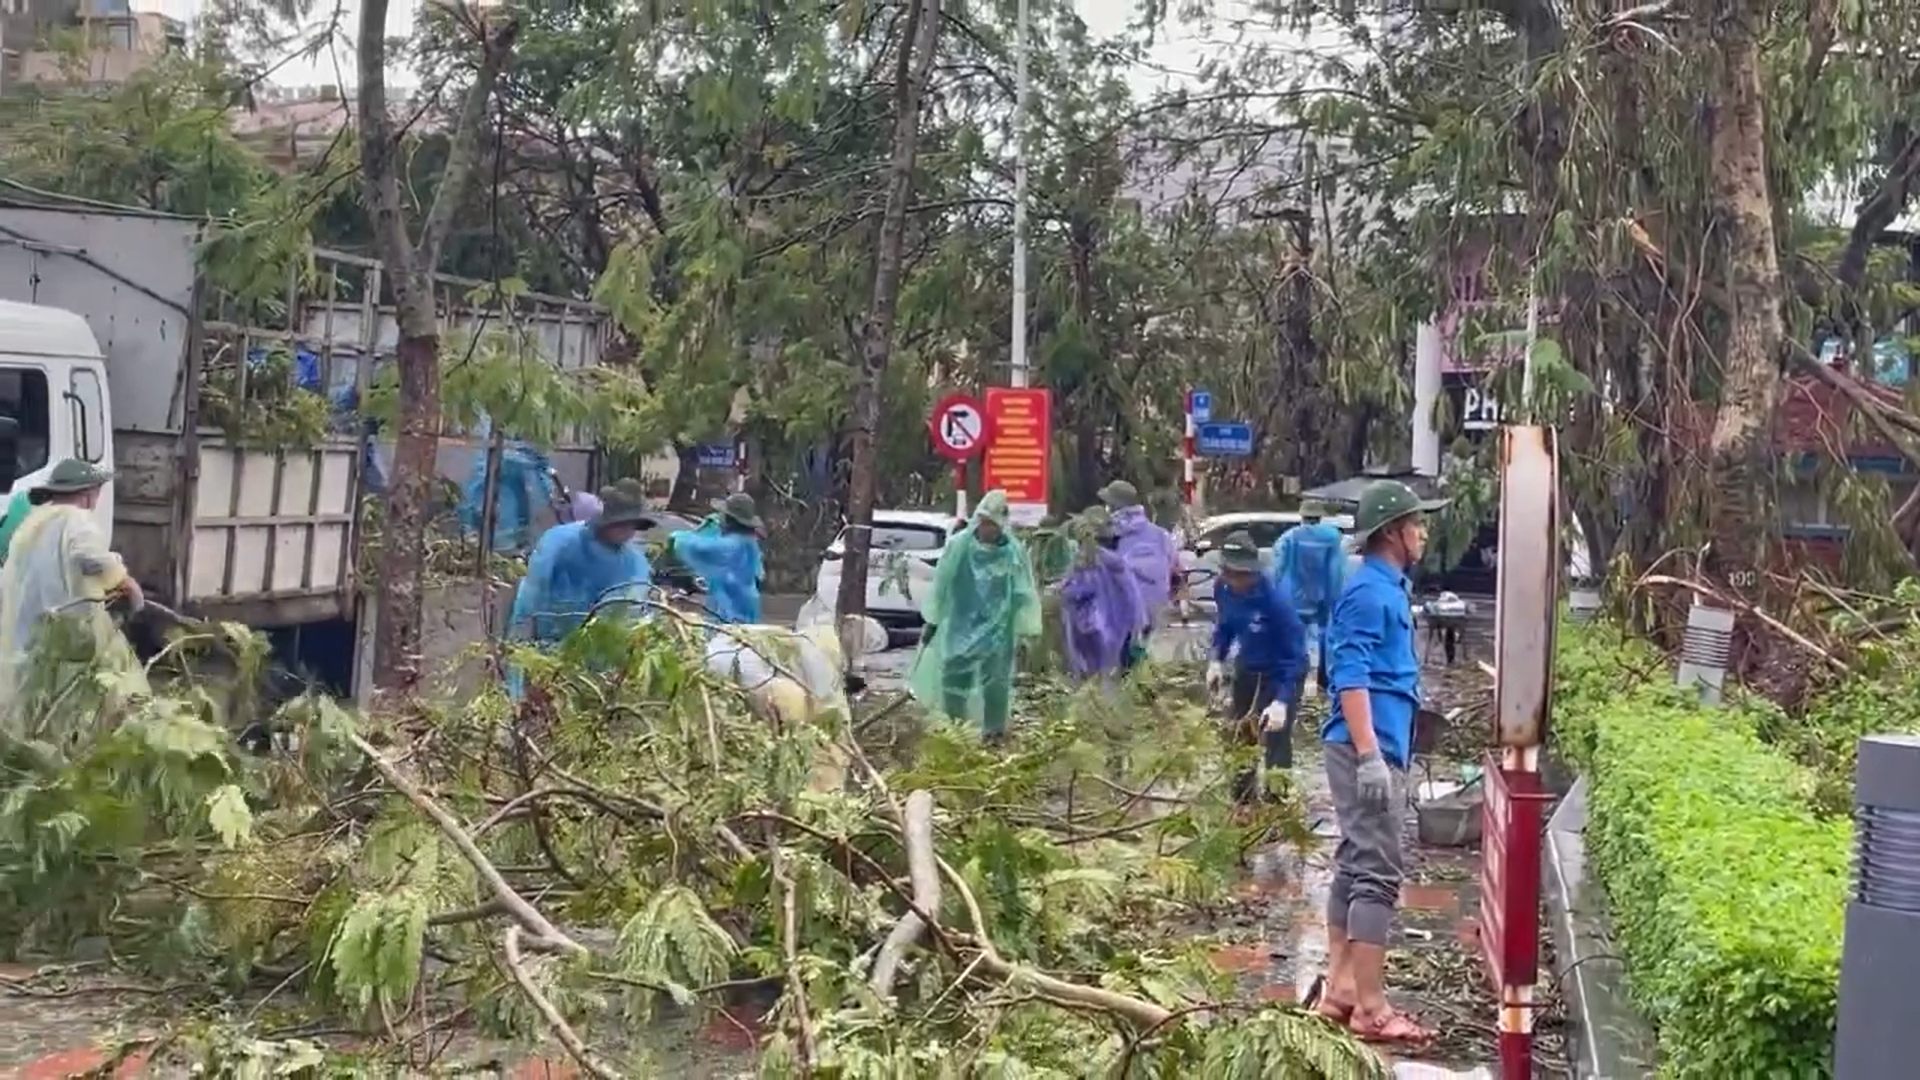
(1174, 59)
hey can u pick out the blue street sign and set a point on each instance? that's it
(1229, 438)
(1202, 406)
(719, 455)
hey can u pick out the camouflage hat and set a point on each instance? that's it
(1239, 552)
(1311, 509)
(69, 477)
(1385, 502)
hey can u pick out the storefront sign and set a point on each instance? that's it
(1018, 459)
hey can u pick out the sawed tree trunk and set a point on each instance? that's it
(914, 65)
(409, 269)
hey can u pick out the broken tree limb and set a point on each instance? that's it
(517, 967)
(546, 935)
(1734, 602)
(918, 830)
(921, 858)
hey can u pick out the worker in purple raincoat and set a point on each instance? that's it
(1102, 607)
(1148, 550)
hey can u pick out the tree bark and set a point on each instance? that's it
(409, 269)
(1740, 444)
(918, 43)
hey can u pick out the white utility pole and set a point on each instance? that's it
(1020, 202)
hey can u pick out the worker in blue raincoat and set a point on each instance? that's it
(580, 566)
(526, 482)
(1309, 564)
(725, 550)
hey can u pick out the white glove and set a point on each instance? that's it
(1216, 676)
(1274, 717)
(1309, 689)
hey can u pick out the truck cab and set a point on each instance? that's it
(53, 389)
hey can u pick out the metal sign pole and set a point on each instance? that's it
(1517, 799)
(1019, 328)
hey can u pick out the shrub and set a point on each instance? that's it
(1594, 663)
(1727, 891)
(1881, 697)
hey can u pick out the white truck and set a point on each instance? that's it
(102, 343)
(108, 333)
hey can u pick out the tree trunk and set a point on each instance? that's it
(409, 267)
(686, 479)
(1740, 446)
(912, 68)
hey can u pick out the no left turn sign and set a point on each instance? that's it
(959, 427)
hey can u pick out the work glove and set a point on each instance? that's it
(1375, 782)
(1274, 717)
(1216, 678)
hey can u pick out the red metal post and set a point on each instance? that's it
(1186, 456)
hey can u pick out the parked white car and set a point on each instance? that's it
(1200, 555)
(906, 546)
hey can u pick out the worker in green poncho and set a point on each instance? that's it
(982, 603)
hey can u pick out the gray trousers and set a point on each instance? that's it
(1367, 864)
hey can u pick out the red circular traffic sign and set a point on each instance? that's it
(959, 427)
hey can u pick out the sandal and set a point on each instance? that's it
(1320, 1005)
(1390, 1027)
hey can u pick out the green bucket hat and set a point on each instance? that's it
(67, 478)
(619, 506)
(1239, 552)
(1384, 502)
(1119, 495)
(632, 485)
(1313, 508)
(739, 509)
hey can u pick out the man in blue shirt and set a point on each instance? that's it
(1309, 564)
(1369, 742)
(1254, 613)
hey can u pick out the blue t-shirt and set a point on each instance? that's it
(1272, 639)
(1370, 647)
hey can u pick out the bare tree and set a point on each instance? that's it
(409, 265)
(918, 42)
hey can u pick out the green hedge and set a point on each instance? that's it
(1727, 891)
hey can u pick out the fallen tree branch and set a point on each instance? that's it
(516, 966)
(921, 857)
(545, 934)
(1734, 602)
(918, 829)
(790, 946)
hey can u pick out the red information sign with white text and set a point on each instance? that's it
(1019, 457)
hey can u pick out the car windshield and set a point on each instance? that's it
(900, 536)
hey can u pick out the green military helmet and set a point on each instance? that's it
(1385, 502)
(69, 477)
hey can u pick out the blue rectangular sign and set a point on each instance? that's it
(716, 455)
(1225, 439)
(1202, 406)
